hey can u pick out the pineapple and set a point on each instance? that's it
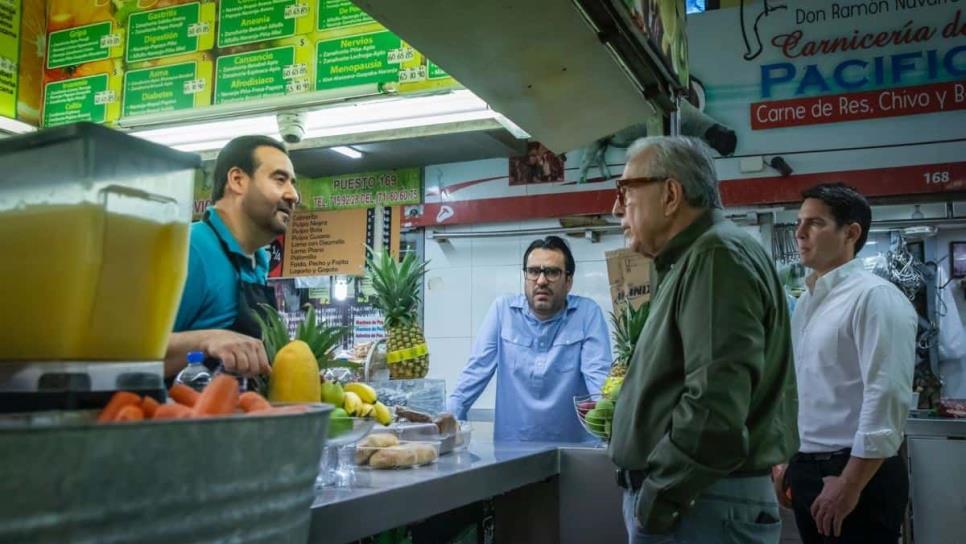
(321, 339)
(628, 324)
(396, 287)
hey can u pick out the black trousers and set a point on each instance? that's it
(879, 513)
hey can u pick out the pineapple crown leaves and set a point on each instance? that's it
(396, 285)
(628, 324)
(322, 339)
(274, 329)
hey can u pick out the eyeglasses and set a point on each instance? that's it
(623, 184)
(552, 273)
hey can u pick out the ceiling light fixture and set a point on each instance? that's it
(12, 126)
(390, 113)
(348, 151)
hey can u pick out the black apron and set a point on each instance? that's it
(250, 296)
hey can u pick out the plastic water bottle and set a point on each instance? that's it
(196, 375)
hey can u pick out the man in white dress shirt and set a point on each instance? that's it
(854, 338)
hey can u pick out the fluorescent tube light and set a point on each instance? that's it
(347, 151)
(390, 113)
(12, 126)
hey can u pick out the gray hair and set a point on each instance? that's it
(685, 159)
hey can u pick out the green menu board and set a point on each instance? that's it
(335, 14)
(360, 60)
(75, 100)
(250, 21)
(387, 188)
(167, 88)
(250, 76)
(9, 53)
(81, 44)
(164, 32)
(435, 72)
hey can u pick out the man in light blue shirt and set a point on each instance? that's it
(546, 347)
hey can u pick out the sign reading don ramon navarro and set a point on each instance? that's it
(820, 76)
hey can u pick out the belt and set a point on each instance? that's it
(632, 480)
(820, 456)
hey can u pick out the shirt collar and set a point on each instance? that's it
(683, 240)
(223, 232)
(520, 302)
(834, 276)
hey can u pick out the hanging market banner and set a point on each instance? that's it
(365, 190)
(882, 71)
(872, 94)
(266, 49)
(9, 53)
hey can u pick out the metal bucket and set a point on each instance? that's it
(240, 479)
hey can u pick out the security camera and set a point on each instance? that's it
(779, 164)
(694, 122)
(291, 125)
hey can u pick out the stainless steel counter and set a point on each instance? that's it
(935, 427)
(384, 499)
(937, 470)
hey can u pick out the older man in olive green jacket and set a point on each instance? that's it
(708, 405)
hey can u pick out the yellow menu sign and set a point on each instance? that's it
(9, 53)
(326, 243)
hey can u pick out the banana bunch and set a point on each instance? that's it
(358, 400)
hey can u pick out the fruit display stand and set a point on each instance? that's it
(66, 478)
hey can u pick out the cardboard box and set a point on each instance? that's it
(629, 274)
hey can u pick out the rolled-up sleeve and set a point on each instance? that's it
(884, 327)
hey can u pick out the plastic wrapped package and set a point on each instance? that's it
(403, 454)
(427, 395)
(415, 431)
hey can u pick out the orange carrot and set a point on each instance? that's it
(219, 398)
(118, 401)
(131, 412)
(149, 406)
(172, 410)
(250, 401)
(182, 394)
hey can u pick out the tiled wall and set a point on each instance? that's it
(467, 274)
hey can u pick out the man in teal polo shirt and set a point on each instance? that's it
(253, 199)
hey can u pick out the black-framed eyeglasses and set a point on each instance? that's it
(624, 183)
(552, 273)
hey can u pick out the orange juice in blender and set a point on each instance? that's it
(92, 269)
